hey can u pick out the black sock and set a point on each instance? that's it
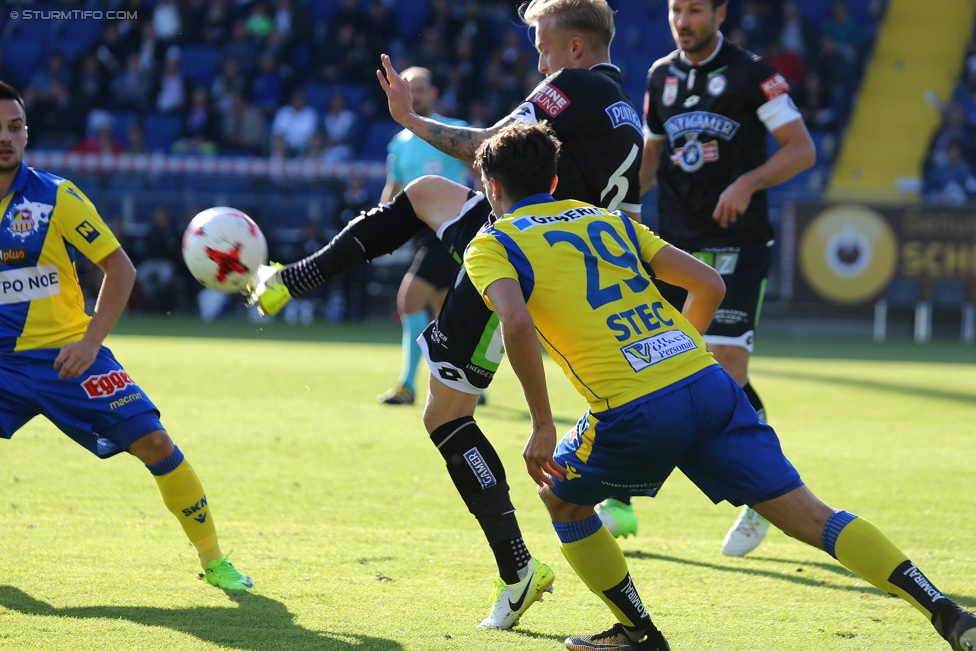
(624, 596)
(479, 478)
(755, 401)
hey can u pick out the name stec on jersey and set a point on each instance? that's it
(106, 384)
(29, 283)
(700, 122)
(658, 348)
(525, 223)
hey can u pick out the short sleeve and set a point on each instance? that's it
(650, 243)
(486, 261)
(770, 95)
(653, 127)
(80, 224)
(550, 99)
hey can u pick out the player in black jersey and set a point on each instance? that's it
(583, 100)
(707, 110)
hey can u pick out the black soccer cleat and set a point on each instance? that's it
(620, 638)
(958, 627)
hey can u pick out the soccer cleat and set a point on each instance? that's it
(509, 602)
(398, 395)
(617, 517)
(266, 292)
(745, 535)
(961, 623)
(221, 573)
(619, 638)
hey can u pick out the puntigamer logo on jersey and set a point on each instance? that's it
(695, 153)
(623, 113)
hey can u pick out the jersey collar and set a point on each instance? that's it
(542, 197)
(20, 181)
(605, 63)
(711, 57)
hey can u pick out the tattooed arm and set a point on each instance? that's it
(459, 142)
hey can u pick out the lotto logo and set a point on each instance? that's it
(107, 384)
(774, 87)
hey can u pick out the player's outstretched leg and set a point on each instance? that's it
(749, 528)
(863, 549)
(184, 496)
(595, 556)
(617, 515)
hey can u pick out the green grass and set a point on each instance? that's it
(342, 512)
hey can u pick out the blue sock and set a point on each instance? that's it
(413, 324)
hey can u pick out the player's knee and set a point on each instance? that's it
(153, 447)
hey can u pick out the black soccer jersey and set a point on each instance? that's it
(600, 131)
(712, 119)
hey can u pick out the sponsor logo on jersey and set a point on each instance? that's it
(670, 91)
(28, 217)
(29, 283)
(525, 113)
(774, 87)
(87, 231)
(623, 113)
(694, 154)
(14, 255)
(698, 122)
(657, 348)
(677, 72)
(124, 400)
(717, 85)
(525, 223)
(691, 101)
(106, 384)
(480, 468)
(74, 194)
(550, 99)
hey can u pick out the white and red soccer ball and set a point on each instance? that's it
(222, 248)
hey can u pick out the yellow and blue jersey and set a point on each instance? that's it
(594, 306)
(411, 157)
(46, 222)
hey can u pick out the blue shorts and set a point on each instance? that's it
(703, 425)
(104, 410)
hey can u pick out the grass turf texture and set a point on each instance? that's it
(342, 512)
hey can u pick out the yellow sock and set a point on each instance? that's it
(601, 565)
(183, 495)
(862, 548)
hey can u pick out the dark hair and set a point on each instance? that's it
(717, 3)
(522, 157)
(8, 92)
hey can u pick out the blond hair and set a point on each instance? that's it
(591, 19)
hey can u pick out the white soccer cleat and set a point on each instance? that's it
(745, 535)
(509, 602)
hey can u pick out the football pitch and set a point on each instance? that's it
(342, 512)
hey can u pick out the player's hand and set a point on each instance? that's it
(397, 90)
(732, 203)
(538, 456)
(75, 358)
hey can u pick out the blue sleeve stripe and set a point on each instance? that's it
(835, 524)
(570, 532)
(632, 234)
(519, 261)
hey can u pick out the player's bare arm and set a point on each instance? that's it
(459, 142)
(522, 346)
(649, 163)
(705, 286)
(75, 358)
(796, 153)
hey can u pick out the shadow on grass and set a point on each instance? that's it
(521, 415)
(965, 397)
(256, 624)
(524, 632)
(791, 577)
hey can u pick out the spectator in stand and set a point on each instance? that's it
(102, 141)
(834, 71)
(315, 149)
(193, 16)
(787, 63)
(241, 48)
(284, 19)
(229, 81)
(296, 122)
(150, 49)
(166, 20)
(756, 23)
(954, 131)
(216, 23)
(259, 24)
(474, 26)
(432, 53)
(243, 126)
(798, 35)
(381, 27)
(113, 48)
(135, 141)
(40, 87)
(268, 88)
(347, 14)
(89, 90)
(443, 21)
(813, 102)
(200, 119)
(172, 86)
(950, 181)
(132, 88)
(59, 122)
(328, 56)
(160, 257)
(845, 31)
(278, 148)
(358, 64)
(341, 130)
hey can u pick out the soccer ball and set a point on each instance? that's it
(222, 248)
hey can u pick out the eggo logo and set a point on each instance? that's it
(107, 384)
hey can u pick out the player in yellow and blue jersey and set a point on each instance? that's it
(570, 275)
(52, 361)
(425, 284)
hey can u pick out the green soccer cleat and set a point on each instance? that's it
(617, 517)
(398, 395)
(266, 292)
(221, 573)
(509, 602)
(620, 638)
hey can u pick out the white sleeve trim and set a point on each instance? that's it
(650, 135)
(525, 113)
(629, 207)
(777, 112)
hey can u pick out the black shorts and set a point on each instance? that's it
(744, 269)
(463, 347)
(432, 262)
